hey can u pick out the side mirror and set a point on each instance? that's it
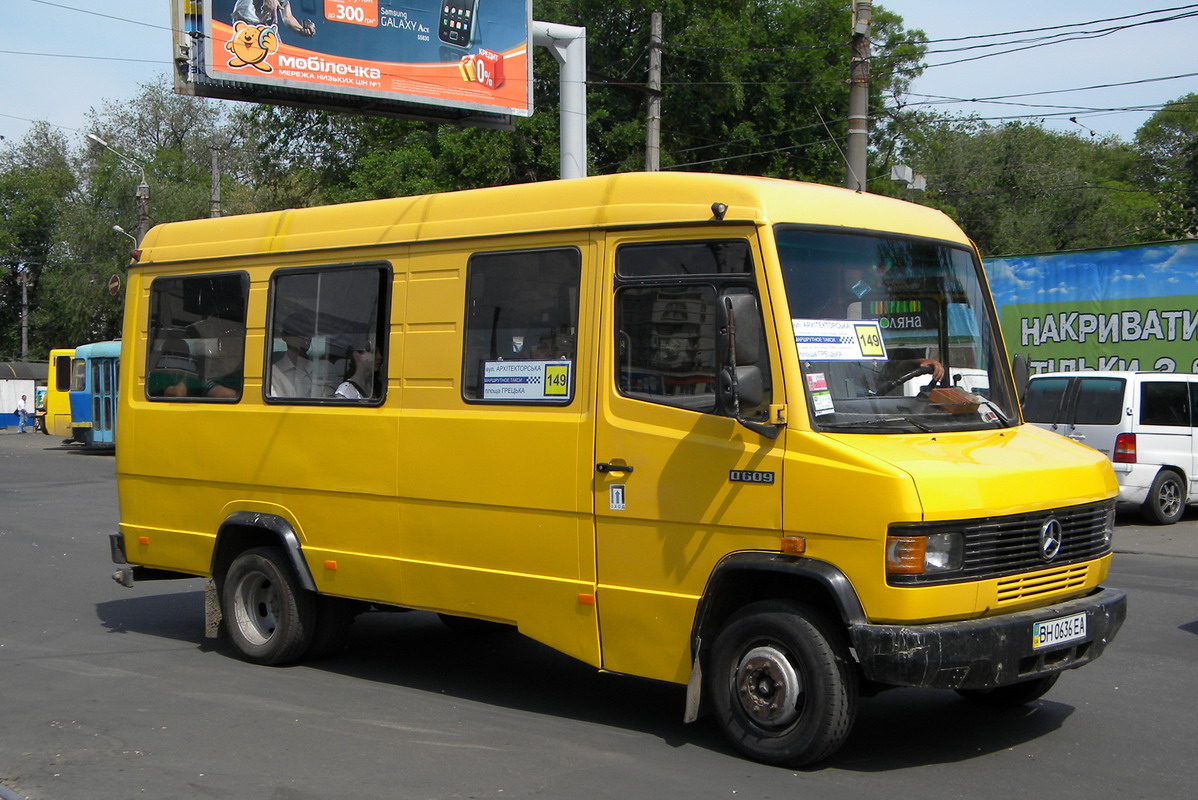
(740, 329)
(1022, 375)
(741, 380)
(747, 384)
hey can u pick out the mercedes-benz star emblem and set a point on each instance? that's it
(1050, 539)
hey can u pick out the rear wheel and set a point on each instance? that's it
(269, 616)
(1014, 695)
(1166, 499)
(782, 684)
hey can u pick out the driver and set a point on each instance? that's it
(893, 372)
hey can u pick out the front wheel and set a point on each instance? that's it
(782, 684)
(1166, 499)
(269, 616)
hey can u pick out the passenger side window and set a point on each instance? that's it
(521, 326)
(328, 335)
(62, 373)
(1099, 401)
(666, 347)
(1165, 404)
(1043, 401)
(668, 322)
(196, 347)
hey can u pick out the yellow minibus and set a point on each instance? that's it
(56, 419)
(704, 429)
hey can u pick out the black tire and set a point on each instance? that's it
(1014, 695)
(783, 687)
(1166, 499)
(334, 616)
(269, 616)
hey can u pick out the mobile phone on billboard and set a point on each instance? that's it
(457, 22)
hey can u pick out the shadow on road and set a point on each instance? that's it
(907, 728)
(414, 650)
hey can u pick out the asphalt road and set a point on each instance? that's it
(107, 692)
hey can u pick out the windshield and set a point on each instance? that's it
(893, 334)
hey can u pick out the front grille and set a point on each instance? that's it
(999, 546)
(1018, 588)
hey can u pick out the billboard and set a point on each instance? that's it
(458, 60)
(1132, 308)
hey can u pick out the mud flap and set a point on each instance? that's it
(694, 692)
(213, 621)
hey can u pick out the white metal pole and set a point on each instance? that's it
(568, 44)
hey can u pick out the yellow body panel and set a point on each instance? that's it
(497, 512)
(57, 419)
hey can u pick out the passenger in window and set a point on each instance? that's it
(363, 376)
(176, 373)
(291, 371)
(546, 347)
(218, 343)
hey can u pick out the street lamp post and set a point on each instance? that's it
(124, 232)
(143, 189)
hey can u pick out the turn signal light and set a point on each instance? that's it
(793, 545)
(905, 554)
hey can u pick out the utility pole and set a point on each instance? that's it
(23, 276)
(653, 124)
(215, 202)
(858, 140)
(143, 208)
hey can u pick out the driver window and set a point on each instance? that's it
(668, 321)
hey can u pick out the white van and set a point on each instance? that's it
(1142, 421)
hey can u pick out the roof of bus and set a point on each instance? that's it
(99, 349)
(23, 370)
(627, 199)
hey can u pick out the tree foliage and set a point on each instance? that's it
(59, 202)
(752, 87)
(748, 86)
(1020, 188)
(1168, 145)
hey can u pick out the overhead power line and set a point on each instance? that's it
(1058, 91)
(1063, 38)
(1058, 27)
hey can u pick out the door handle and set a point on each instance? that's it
(1078, 437)
(604, 467)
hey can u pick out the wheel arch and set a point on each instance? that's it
(743, 578)
(1180, 472)
(242, 530)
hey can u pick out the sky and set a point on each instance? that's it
(57, 61)
(1089, 276)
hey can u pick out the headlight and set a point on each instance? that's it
(1108, 526)
(924, 555)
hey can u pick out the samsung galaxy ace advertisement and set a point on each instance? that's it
(468, 54)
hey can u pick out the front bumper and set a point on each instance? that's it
(1135, 480)
(985, 653)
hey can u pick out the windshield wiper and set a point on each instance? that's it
(998, 412)
(880, 423)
